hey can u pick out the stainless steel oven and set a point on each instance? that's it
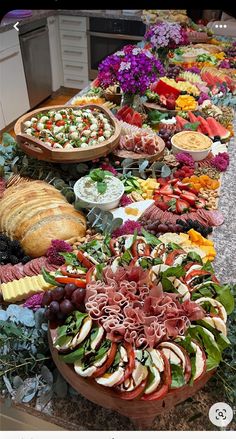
(106, 36)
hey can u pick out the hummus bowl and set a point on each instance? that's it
(196, 144)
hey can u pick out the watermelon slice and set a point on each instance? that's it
(204, 127)
(217, 129)
(137, 119)
(180, 122)
(192, 117)
(165, 89)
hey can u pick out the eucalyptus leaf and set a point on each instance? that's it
(115, 224)
(17, 382)
(8, 385)
(45, 396)
(165, 171)
(82, 168)
(78, 205)
(46, 375)
(2, 161)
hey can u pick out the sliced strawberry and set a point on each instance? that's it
(173, 181)
(182, 206)
(166, 190)
(183, 186)
(200, 203)
(193, 190)
(167, 198)
(162, 205)
(177, 191)
(163, 181)
(189, 197)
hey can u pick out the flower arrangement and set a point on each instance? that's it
(166, 35)
(133, 68)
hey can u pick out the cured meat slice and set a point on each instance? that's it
(215, 217)
(17, 271)
(28, 269)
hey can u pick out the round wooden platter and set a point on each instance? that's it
(37, 148)
(153, 106)
(142, 413)
(124, 154)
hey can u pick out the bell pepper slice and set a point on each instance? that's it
(64, 271)
(84, 260)
(90, 275)
(80, 283)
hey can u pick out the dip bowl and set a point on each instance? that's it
(197, 154)
(110, 203)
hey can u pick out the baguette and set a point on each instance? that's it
(64, 226)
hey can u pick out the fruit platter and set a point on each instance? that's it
(115, 246)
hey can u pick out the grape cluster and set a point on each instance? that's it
(173, 71)
(196, 225)
(61, 301)
(157, 227)
(166, 136)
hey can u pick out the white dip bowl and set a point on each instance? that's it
(86, 191)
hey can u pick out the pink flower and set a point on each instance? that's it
(185, 158)
(221, 161)
(56, 247)
(128, 228)
(34, 302)
(125, 200)
(107, 167)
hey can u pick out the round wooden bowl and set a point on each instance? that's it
(113, 97)
(124, 154)
(142, 413)
(37, 148)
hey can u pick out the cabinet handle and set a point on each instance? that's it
(71, 22)
(74, 67)
(74, 80)
(74, 52)
(10, 55)
(73, 37)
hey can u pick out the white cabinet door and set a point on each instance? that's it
(2, 121)
(55, 53)
(13, 90)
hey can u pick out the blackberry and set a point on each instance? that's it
(15, 246)
(4, 238)
(3, 246)
(25, 259)
(3, 257)
(13, 259)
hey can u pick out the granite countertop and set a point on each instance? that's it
(74, 412)
(38, 14)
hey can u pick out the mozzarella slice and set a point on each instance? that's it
(84, 331)
(215, 304)
(139, 373)
(155, 383)
(86, 372)
(98, 338)
(157, 359)
(110, 379)
(200, 361)
(182, 288)
(176, 350)
(216, 322)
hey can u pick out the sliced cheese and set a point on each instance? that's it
(23, 288)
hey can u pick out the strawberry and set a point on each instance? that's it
(173, 181)
(193, 190)
(200, 203)
(163, 181)
(183, 186)
(162, 205)
(166, 190)
(172, 205)
(189, 197)
(182, 206)
(167, 198)
(177, 191)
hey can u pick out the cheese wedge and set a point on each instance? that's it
(21, 289)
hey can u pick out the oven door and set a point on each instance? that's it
(101, 45)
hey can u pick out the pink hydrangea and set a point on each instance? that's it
(128, 228)
(107, 167)
(185, 158)
(221, 161)
(56, 247)
(125, 200)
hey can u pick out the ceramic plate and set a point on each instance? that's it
(140, 205)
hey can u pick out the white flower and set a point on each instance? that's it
(124, 66)
(120, 53)
(136, 50)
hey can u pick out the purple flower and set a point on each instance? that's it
(128, 228)
(107, 167)
(56, 247)
(165, 34)
(194, 70)
(203, 97)
(220, 161)
(125, 200)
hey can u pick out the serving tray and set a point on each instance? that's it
(125, 154)
(37, 148)
(142, 413)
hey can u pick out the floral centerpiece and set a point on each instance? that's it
(162, 37)
(133, 68)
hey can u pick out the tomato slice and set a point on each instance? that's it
(137, 392)
(163, 388)
(172, 255)
(111, 356)
(195, 273)
(65, 272)
(136, 252)
(81, 283)
(60, 123)
(84, 260)
(130, 366)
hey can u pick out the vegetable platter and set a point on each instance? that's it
(65, 121)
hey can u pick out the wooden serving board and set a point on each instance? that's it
(142, 413)
(37, 149)
(153, 106)
(124, 154)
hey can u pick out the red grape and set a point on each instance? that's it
(163, 228)
(58, 293)
(78, 296)
(69, 288)
(50, 315)
(47, 298)
(66, 307)
(54, 307)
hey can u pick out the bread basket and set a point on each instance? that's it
(39, 150)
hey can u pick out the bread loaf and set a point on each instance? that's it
(35, 213)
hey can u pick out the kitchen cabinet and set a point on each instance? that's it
(2, 121)
(13, 91)
(55, 53)
(74, 50)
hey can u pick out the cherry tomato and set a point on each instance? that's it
(64, 116)
(130, 366)
(111, 356)
(85, 261)
(137, 252)
(133, 394)
(71, 280)
(60, 123)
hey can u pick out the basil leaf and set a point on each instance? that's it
(177, 376)
(74, 356)
(173, 246)
(168, 286)
(97, 174)
(115, 363)
(79, 318)
(210, 346)
(126, 258)
(193, 369)
(49, 278)
(208, 267)
(193, 256)
(70, 258)
(150, 239)
(63, 339)
(102, 187)
(94, 333)
(173, 271)
(99, 271)
(225, 296)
